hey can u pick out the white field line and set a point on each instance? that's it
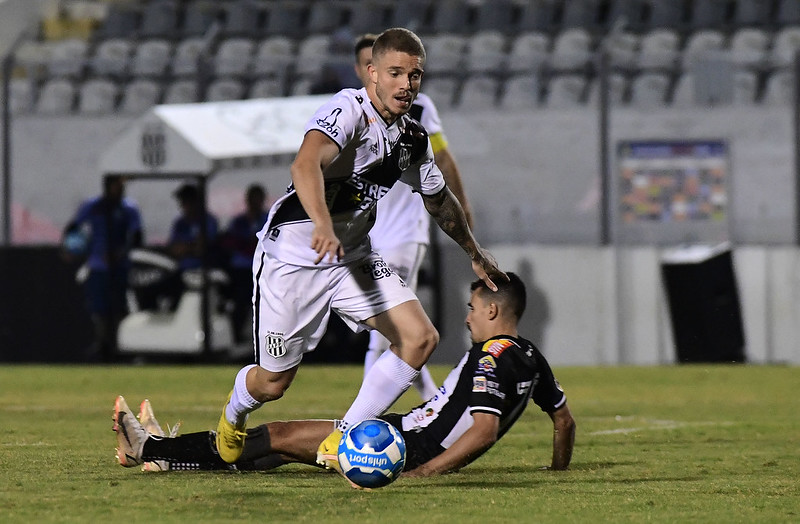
(659, 425)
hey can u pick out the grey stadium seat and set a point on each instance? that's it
(445, 53)
(140, 95)
(266, 88)
(182, 92)
(224, 89)
(784, 46)
(442, 91)
(702, 44)
(659, 50)
(186, 59)
(98, 96)
(565, 91)
(520, 92)
(572, 50)
(617, 90)
(479, 92)
(56, 97)
(529, 52)
(273, 57)
(650, 89)
(486, 52)
(779, 89)
(112, 57)
(233, 57)
(67, 58)
(151, 58)
(749, 47)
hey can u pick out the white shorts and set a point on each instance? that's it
(405, 260)
(292, 303)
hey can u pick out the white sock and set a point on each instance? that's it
(384, 383)
(242, 402)
(425, 385)
(370, 358)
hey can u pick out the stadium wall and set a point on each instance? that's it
(533, 181)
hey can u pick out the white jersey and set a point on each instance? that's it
(401, 216)
(372, 157)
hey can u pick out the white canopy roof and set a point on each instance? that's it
(193, 139)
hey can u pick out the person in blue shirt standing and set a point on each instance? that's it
(104, 230)
(239, 242)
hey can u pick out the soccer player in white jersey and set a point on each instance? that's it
(314, 254)
(401, 233)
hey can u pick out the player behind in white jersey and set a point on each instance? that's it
(479, 401)
(401, 233)
(314, 253)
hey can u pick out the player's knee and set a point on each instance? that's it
(420, 348)
(266, 386)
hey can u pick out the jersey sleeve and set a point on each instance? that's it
(547, 392)
(492, 375)
(339, 117)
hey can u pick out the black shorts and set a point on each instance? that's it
(419, 449)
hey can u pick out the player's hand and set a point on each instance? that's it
(325, 242)
(485, 266)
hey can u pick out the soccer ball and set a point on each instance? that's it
(372, 453)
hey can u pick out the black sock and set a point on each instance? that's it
(193, 451)
(258, 454)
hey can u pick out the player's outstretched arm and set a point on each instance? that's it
(471, 445)
(563, 437)
(316, 152)
(449, 215)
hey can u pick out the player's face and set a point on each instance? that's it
(397, 77)
(479, 317)
(363, 60)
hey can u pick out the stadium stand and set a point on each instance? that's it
(479, 92)
(650, 89)
(97, 96)
(57, 97)
(276, 47)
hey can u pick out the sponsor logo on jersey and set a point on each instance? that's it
(275, 344)
(377, 269)
(522, 387)
(496, 347)
(493, 388)
(479, 384)
(487, 364)
(329, 122)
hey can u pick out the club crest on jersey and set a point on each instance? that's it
(496, 347)
(404, 158)
(329, 122)
(487, 364)
(276, 347)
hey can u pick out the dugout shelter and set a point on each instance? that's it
(195, 142)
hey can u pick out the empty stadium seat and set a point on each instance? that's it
(486, 52)
(566, 91)
(223, 89)
(199, 16)
(617, 90)
(496, 15)
(369, 16)
(312, 53)
(785, 45)
(185, 61)
(159, 19)
(572, 50)
(537, 15)
(326, 17)
(659, 49)
(752, 13)
(111, 57)
(182, 92)
(745, 88)
(582, 14)
(442, 90)
(451, 16)
(266, 88)
(622, 48)
(301, 87)
(700, 44)
(121, 21)
(709, 14)
(625, 15)
(445, 53)
(151, 58)
(67, 58)
(479, 92)
(666, 14)
(97, 96)
(520, 92)
(56, 97)
(242, 18)
(140, 95)
(650, 89)
(779, 89)
(529, 51)
(273, 57)
(21, 95)
(749, 47)
(412, 14)
(286, 17)
(233, 57)
(787, 13)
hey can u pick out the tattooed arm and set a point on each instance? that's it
(449, 215)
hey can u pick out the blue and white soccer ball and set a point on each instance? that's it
(372, 453)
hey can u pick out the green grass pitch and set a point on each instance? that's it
(689, 443)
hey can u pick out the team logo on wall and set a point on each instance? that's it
(275, 345)
(154, 146)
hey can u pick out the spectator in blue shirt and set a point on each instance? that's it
(104, 230)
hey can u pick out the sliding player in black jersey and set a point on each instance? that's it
(478, 402)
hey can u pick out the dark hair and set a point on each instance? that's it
(399, 39)
(511, 293)
(365, 40)
(256, 190)
(187, 192)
